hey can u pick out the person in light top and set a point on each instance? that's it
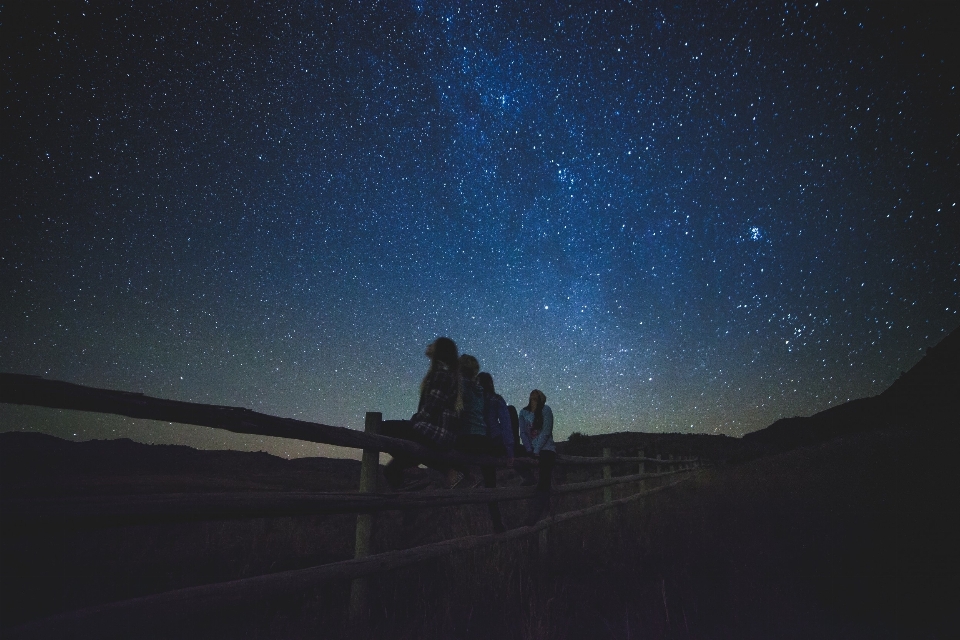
(536, 431)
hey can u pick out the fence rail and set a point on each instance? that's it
(115, 511)
(176, 507)
(54, 394)
(148, 610)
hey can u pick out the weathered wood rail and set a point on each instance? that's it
(115, 511)
(148, 610)
(54, 394)
(147, 509)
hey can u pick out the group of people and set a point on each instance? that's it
(460, 410)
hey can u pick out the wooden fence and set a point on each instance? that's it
(120, 510)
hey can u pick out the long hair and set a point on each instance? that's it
(486, 381)
(538, 413)
(469, 367)
(541, 396)
(445, 350)
(445, 354)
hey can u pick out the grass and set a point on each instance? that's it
(852, 538)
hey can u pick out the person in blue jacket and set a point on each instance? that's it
(496, 416)
(480, 435)
(536, 431)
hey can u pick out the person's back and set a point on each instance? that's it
(497, 419)
(476, 439)
(436, 414)
(434, 423)
(471, 416)
(515, 427)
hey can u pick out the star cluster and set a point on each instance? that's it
(694, 218)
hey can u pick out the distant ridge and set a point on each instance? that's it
(927, 396)
(699, 445)
(37, 464)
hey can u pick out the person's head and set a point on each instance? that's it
(469, 367)
(486, 381)
(443, 350)
(537, 400)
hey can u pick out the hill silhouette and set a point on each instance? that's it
(926, 396)
(849, 536)
(41, 465)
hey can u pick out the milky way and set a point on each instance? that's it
(668, 218)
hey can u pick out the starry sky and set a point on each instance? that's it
(668, 217)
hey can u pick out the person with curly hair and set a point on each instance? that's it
(434, 425)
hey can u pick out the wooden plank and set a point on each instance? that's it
(364, 531)
(125, 510)
(36, 391)
(585, 461)
(147, 611)
(607, 475)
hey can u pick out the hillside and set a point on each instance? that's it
(927, 396)
(706, 447)
(37, 465)
(848, 538)
(842, 528)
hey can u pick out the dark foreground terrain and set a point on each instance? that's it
(850, 538)
(841, 525)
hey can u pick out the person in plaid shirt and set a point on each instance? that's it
(435, 424)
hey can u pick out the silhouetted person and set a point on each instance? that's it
(472, 437)
(498, 439)
(496, 415)
(434, 424)
(536, 430)
(475, 437)
(518, 449)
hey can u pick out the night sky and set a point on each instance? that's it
(669, 218)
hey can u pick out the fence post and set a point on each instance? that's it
(368, 484)
(641, 469)
(543, 550)
(608, 490)
(607, 474)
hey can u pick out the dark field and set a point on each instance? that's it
(850, 538)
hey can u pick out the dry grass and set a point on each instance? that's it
(848, 539)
